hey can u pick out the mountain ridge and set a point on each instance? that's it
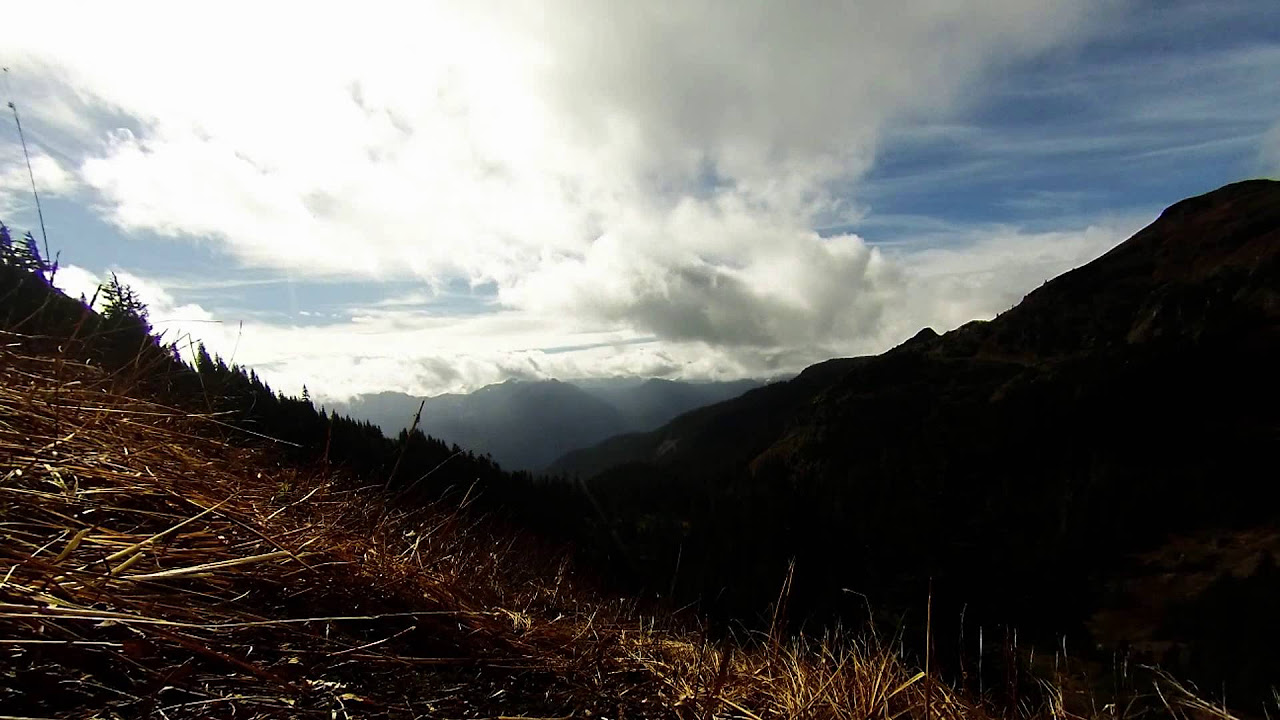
(1008, 336)
(526, 424)
(1124, 403)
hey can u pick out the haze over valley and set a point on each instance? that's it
(526, 424)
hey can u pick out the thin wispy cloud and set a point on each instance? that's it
(1269, 152)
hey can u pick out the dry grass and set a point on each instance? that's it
(151, 567)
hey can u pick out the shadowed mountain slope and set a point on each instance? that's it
(720, 434)
(1205, 268)
(1121, 406)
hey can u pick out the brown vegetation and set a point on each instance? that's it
(152, 566)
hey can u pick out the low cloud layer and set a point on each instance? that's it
(395, 346)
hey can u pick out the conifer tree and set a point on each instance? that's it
(24, 254)
(122, 307)
(39, 265)
(204, 362)
(19, 255)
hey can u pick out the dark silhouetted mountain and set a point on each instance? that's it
(524, 425)
(1203, 269)
(1019, 466)
(720, 433)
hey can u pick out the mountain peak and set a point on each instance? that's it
(1204, 256)
(922, 338)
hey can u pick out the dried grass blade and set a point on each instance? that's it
(205, 567)
(72, 545)
(143, 543)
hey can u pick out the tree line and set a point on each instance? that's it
(118, 336)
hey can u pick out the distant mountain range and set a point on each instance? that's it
(526, 424)
(1098, 461)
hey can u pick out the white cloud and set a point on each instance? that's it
(637, 183)
(992, 272)
(77, 282)
(625, 166)
(1270, 151)
(393, 346)
(774, 285)
(50, 176)
(52, 179)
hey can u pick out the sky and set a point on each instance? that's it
(430, 197)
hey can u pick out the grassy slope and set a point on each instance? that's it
(152, 564)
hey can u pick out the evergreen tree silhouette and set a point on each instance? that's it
(122, 308)
(204, 362)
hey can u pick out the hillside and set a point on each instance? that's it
(163, 560)
(1206, 264)
(1123, 408)
(525, 424)
(718, 432)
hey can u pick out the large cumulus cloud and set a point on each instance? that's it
(657, 166)
(638, 184)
